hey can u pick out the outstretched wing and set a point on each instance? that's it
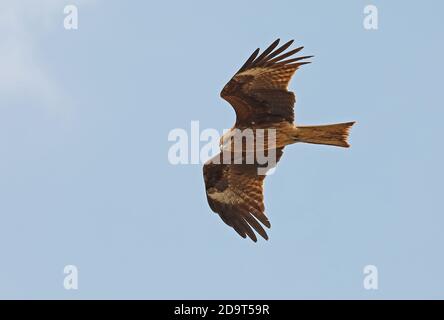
(234, 191)
(258, 91)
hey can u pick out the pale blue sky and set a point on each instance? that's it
(85, 178)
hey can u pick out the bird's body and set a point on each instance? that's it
(265, 121)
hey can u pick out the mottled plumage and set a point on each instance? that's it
(258, 93)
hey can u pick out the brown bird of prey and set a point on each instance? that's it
(258, 93)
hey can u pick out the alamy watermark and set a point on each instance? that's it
(71, 21)
(71, 279)
(236, 146)
(371, 18)
(370, 277)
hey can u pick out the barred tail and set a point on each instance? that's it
(332, 134)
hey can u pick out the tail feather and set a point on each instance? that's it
(332, 134)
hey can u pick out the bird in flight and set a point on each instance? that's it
(258, 93)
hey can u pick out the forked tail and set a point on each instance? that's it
(332, 134)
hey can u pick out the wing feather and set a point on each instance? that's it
(283, 56)
(249, 60)
(265, 53)
(270, 71)
(280, 50)
(235, 192)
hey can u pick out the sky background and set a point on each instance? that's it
(84, 172)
